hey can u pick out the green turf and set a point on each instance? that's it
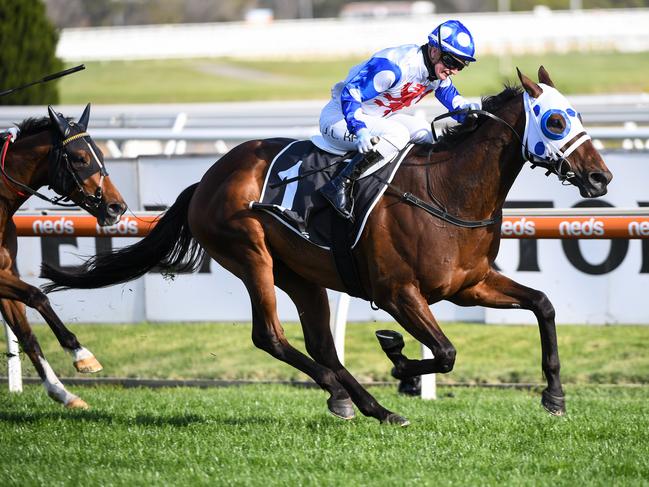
(279, 436)
(485, 353)
(212, 80)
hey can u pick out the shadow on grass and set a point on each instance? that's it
(162, 421)
(38, 416)
(148, 420)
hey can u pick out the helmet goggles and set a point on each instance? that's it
(448, 60)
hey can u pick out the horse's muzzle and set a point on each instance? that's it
(596, 184)
(111, 214)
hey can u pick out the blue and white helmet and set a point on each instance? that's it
(456, 39)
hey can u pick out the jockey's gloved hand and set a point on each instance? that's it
(364, 141)
(472, 106)
(14, 131)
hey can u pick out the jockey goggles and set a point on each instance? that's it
(448, 60)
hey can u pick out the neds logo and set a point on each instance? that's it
(518, 228)
(62, 226)
(578, 228)
(126, 226)
(639, 229)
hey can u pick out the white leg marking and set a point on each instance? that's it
(54, 387)
(81, 353)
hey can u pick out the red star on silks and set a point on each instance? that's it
(406, 99)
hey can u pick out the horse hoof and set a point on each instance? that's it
(393, 418)
(341, 408)
(390, 340)
(410, 386)
(77, 403)
(555, 405)
(88, 365)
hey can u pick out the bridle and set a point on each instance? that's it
(60, 157)
(559, 165)
(60, 166)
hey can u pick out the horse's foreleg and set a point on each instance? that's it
(498, 291)
(14, 314)
(313, 307)
(11, 287)
(410, 309)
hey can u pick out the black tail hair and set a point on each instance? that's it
(170, 245)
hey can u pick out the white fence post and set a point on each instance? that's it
(428, 381)
(14, 374)
(338, 323)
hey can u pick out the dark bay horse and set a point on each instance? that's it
(57, 152)
(407, 258)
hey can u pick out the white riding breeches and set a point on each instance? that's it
(394, 131)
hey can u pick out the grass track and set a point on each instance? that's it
(589, 354)
(215, 80)
(279, 435)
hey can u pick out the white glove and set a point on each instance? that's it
(364, 141)
(14, 131)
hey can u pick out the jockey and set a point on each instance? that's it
(366, 103)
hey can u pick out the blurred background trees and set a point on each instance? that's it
(28, 52)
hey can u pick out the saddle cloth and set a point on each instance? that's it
(297, 203)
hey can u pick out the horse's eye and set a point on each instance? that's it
(79, 159)
(556, 124)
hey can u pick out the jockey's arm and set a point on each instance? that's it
(448, 95)
(374, 77)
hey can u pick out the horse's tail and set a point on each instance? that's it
(170, 246)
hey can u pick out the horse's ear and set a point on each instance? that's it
(85, 117)
(544, 77)
(58, 120)
(530, 86)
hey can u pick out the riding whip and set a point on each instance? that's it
(47, 78)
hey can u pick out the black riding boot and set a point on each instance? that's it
(338, 191)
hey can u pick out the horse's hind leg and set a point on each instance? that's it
(498, 291)
(14, 314)
(250, 260)
(313, 307)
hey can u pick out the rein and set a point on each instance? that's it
(24, 187)
(440, 213)
(5, 176)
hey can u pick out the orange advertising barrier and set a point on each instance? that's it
(600, 227)
(82, 225)
(138, 225)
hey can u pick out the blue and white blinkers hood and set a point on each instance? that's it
(539, 139)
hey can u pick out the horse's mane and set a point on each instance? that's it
(453, 136)
(32, 126)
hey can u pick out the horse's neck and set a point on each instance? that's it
(480, 174)
(26, 162)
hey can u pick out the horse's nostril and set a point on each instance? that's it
(598, 179)
(116, 209)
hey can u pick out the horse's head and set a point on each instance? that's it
(556, 139)
(77, 170)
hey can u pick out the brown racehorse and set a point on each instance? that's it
(58, 152)
(407, 258)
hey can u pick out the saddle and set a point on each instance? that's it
(290, 194)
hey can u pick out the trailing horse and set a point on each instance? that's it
(407, 258)
(60, 153)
